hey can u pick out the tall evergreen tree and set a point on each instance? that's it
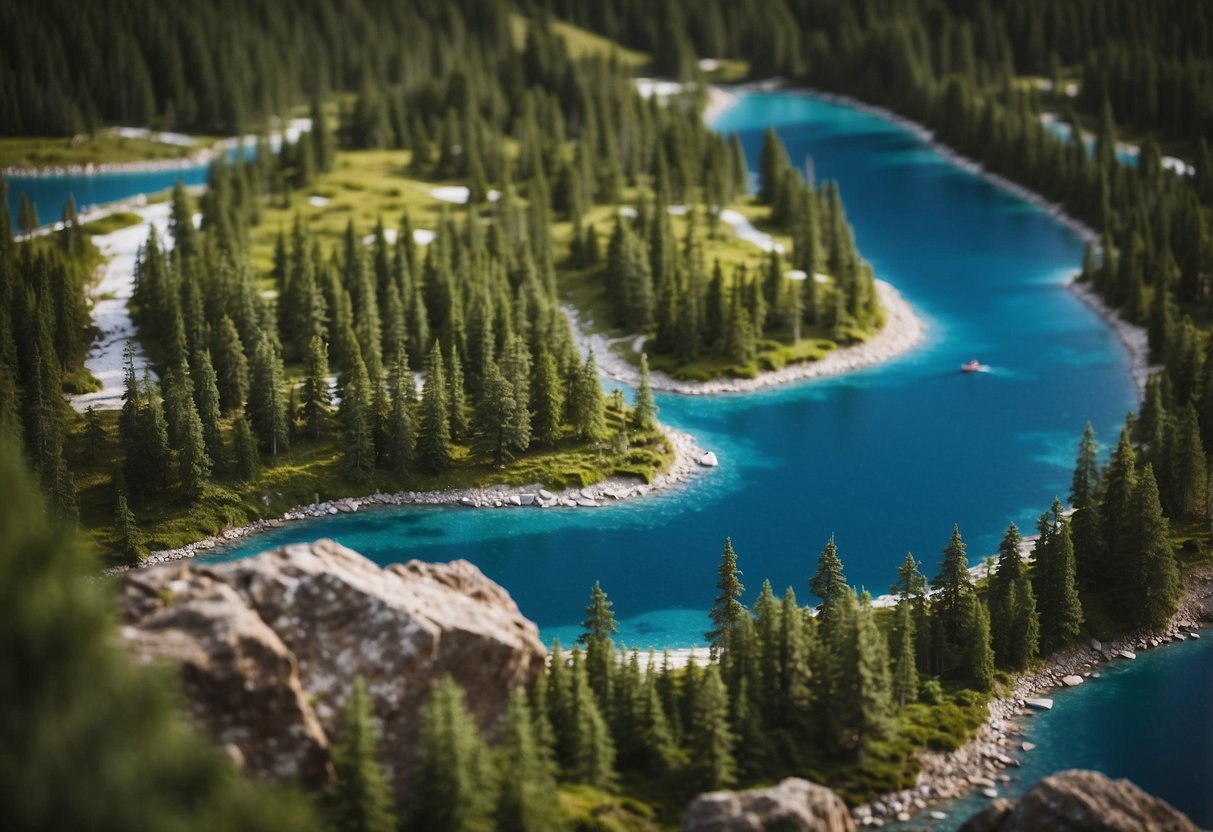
(597, 628)
(1060, 607)
(357, 424)
(1014, 625)
(267, 402)
(727, 612)
(316, 401)
(206, 398)
(358, 799)
(402, 433)
(829, 584)
(1154, 585)
(247, 460)
(434, 436)
(548, 398)
(645, 413)
(455, 765)
(524, 802)
(1086, 522)
(711, 738)
(905, 663)
(587, 406)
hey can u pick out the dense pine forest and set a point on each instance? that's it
(291, 352)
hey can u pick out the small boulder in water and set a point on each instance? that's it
(708, 460)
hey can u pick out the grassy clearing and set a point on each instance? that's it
(364, 187)
(581, 43)
(103, 148)
(311, 472)
(111, 223)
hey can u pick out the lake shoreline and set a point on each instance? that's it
(684, 467)
(903, 330)
(982, 763)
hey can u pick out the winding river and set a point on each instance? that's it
(886, 459)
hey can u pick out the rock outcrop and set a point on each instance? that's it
(793, 805)
(1081, 801)
(269, 646)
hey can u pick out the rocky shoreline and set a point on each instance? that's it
(1135, 338)
(983, 762)
(903, 330)
(690, 460)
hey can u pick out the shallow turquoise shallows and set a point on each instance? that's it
(886, 459)
(49, 193)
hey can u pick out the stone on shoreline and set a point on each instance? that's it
(1039, 703)
(708, 460)
(1127, 654)
(794, 804)
(1072, 681)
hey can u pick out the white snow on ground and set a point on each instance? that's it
(746, 231)
(317, 201)
(708, 64)
(1063, 132)
(459, 194)
(421, 236)
(796, 274)
(110, 314)
(648, 87)
(178, 139)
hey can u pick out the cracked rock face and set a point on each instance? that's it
(269, 647)
(793, 805)
(1081, 801)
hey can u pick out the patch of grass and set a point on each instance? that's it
(86, 150)
(582, 43)
(592, 810)
(114, 222)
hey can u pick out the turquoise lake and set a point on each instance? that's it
(887, 459)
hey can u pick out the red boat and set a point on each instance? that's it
(973, 366)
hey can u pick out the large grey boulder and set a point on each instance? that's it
(793, 805)
(1081, 801)
(269, 647)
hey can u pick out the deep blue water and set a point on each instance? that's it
(887, 459)
(1150, 720)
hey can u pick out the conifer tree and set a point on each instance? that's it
(267, 402)
(1116, 510)
(231, 365)
(401, 423)
(598, 626)
(456, 398)
(911, 589)
(1086, 522)
(1188, 468)
(455, 765)
(1014, 625)
(130, 539)
(593, 748)
(247, 460)
(829, 584)
(193, 462)
(496, 412)
(524, 802)
(644, 416)
(434, 437)
(358, 799)
(1154, 585)
(951, 603)
(357, 425)
(727, 612)
(548, 399)
(95, 436)
(587, 406)
(976, 657)
(710, 736)
(905, 663)
(1060, 607)
(316, 401)
(206, 398)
